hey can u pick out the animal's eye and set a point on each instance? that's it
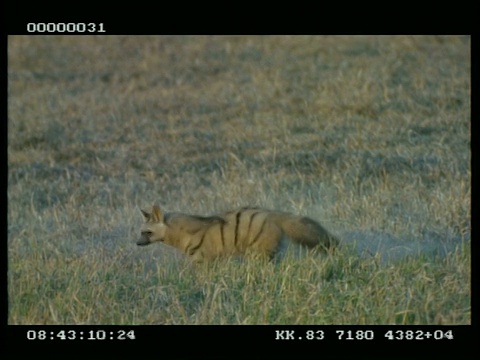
(148, 233)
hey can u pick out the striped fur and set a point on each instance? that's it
(242, 231)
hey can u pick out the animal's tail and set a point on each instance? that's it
(305, 231)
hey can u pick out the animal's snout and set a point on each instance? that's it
(143, 242)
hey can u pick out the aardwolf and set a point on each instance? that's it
(238, 232)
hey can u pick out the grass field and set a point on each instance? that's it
(368, 135)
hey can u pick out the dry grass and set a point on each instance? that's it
(369, 135)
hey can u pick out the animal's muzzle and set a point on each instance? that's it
(143, 242)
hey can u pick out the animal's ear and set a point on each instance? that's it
(157, 214)
(146, 214)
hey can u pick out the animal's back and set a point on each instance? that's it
(251, 230)
(262, 230)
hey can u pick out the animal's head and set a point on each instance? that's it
(154, 227)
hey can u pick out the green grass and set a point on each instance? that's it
(368, 135)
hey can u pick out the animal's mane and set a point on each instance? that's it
(206, 220)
